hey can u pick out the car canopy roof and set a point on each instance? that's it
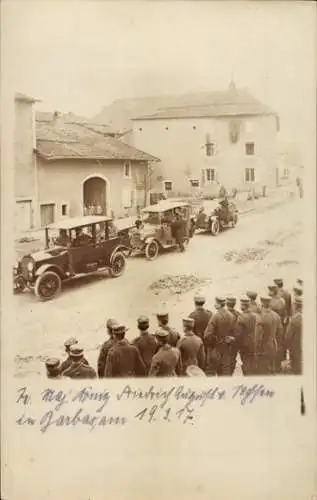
(164, 206)
(75, 222)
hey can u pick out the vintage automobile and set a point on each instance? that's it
(73, 247)
(214, 216)
(153, 232)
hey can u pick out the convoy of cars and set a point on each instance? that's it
(90, 244)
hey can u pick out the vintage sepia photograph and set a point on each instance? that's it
(158, 189)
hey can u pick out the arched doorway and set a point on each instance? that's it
(95, 195)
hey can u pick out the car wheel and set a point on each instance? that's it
(214, 227)
(19, 285)
(117, 265)
(48, 286)
(151, 250)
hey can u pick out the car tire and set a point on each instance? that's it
(152, 250)
(214, 227)
(117, 265)
(48, 285)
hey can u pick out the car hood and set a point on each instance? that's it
(46, 254)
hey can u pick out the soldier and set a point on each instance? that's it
(78, 367)
(254, 306)
(174, 336)
(201, 316)
(178, 228)
(293, 339)
(106, 346)
(123, 359)
(245, 332)
(270, 333)
(298, 290)
(66, 364)
(231, 303)
(191, 347)
(52, 368)
(277, 303)
(146, 343)
(219, 335)
(167, 361)
(285, 295)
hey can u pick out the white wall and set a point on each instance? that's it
(182, 147)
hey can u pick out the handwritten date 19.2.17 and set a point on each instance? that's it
(157, 413)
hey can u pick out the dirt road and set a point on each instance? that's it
(263, 245)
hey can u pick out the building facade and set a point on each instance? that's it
(230, 139)
(25, 186)
(64, 169)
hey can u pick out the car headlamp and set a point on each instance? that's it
(30, 266)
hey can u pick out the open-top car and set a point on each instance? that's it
(155, 229)
(73, 247)
(215, 216)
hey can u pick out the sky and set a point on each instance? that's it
(81, 55)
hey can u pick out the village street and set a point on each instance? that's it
(265, 244)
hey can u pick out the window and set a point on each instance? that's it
(64, 209)
(127, 169)
(249, 148)
(249, 175)
(168, 185)
(194, 183)
(210, 149)
(210, 174)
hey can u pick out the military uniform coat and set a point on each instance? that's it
(192, 351)
(293, 342)
(288, 301)
(201, 319)
(124, 360)
(147, 346)
(269, 338)
(245, 333)
(78, 369)
(166, 362)
(278, 305)
(67, 363)
(102, 358)
(255, 307)
(219, 353)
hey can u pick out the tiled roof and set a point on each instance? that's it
(122, 111)
(64, 140)
(215, 104)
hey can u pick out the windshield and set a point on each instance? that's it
(152, 218)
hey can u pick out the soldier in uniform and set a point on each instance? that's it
(201, 316)
(285, 295)
(191, 347)
(106, 346)
(167, 361)
(270, 333)
(278, 305)
(123, 359)
(78, 367)
(66, 364)
(231, 306)
(146, 343)
(298, 290)
(173, 335)
(293, 339)
(254, 306)
(245, 332)
(219, 335)
(52, 368)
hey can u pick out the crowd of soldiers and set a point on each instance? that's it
(266, 334)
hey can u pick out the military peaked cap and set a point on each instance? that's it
(70, 342)
(245, 301)
(52, 363)
(143, 320)
(118, 329)
(161, 333)
(76, 350)
(199, 299)
(252, 295)
(265, 299)
(111, 322)
(278, 281)
(231, 300)
(221, 300)
(188, 322)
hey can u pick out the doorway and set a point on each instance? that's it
(95, 196)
